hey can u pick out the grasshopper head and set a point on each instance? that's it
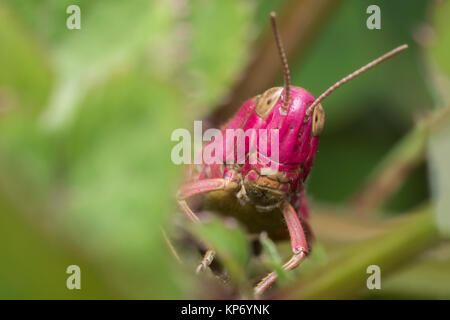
(298, 133)
(296, 136)
(285, 110)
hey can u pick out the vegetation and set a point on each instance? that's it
(86, 118)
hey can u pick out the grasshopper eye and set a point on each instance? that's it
(318, 120)
(266, 102)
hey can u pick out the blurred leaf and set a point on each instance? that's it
(25, 83)
(393, 170)
(440, 49)
(437, 38)
(264, 9)
(217, 52)
(85, 57)
(34, 264)
(107, 172)
(427, 279)
(345, 275)
(272, 259)
(439, 146)
(25, 77)
(365, 117)
(348, 44)
(118, 88)
(439, 157)
(46, 19)
(230, 244)
(120, 180)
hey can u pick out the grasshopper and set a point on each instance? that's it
(261, 199)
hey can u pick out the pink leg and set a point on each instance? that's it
(298, 244)
(199, 187)
(193, 188)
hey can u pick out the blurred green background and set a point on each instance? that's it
(85, 122)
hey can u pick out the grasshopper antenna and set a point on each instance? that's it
(358, 72)
(287, 74)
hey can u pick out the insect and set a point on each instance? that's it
(262, 199)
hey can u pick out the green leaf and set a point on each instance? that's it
(345, 275)
(118, 95)
(437, 52)
(439, 158)
(25, 77)
(272, 259)
(440, 49)
(120, 181)
(439, 145)
(427, 279)
(218, 53)
(86, 57)
(230, 244)
(34, 260)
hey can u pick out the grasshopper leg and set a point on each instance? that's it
(182, 204)
(199, 187)
(269, 280)
(298, 244)
(206, 261)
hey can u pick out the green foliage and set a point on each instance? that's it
(230, 244)
(213, 68)
(86, 118)
(366, 117)
(439, 149)
(105, 169)
(25, 76)
(34, 266)
(345, 276)
(441, 41)
(439, 155)
(272, 259)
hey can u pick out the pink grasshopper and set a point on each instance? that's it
(257, 197)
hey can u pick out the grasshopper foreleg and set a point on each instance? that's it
(298, 244)
(197, 187)
(194, 188)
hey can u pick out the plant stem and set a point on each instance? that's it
(403, 158)
(345, 276)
